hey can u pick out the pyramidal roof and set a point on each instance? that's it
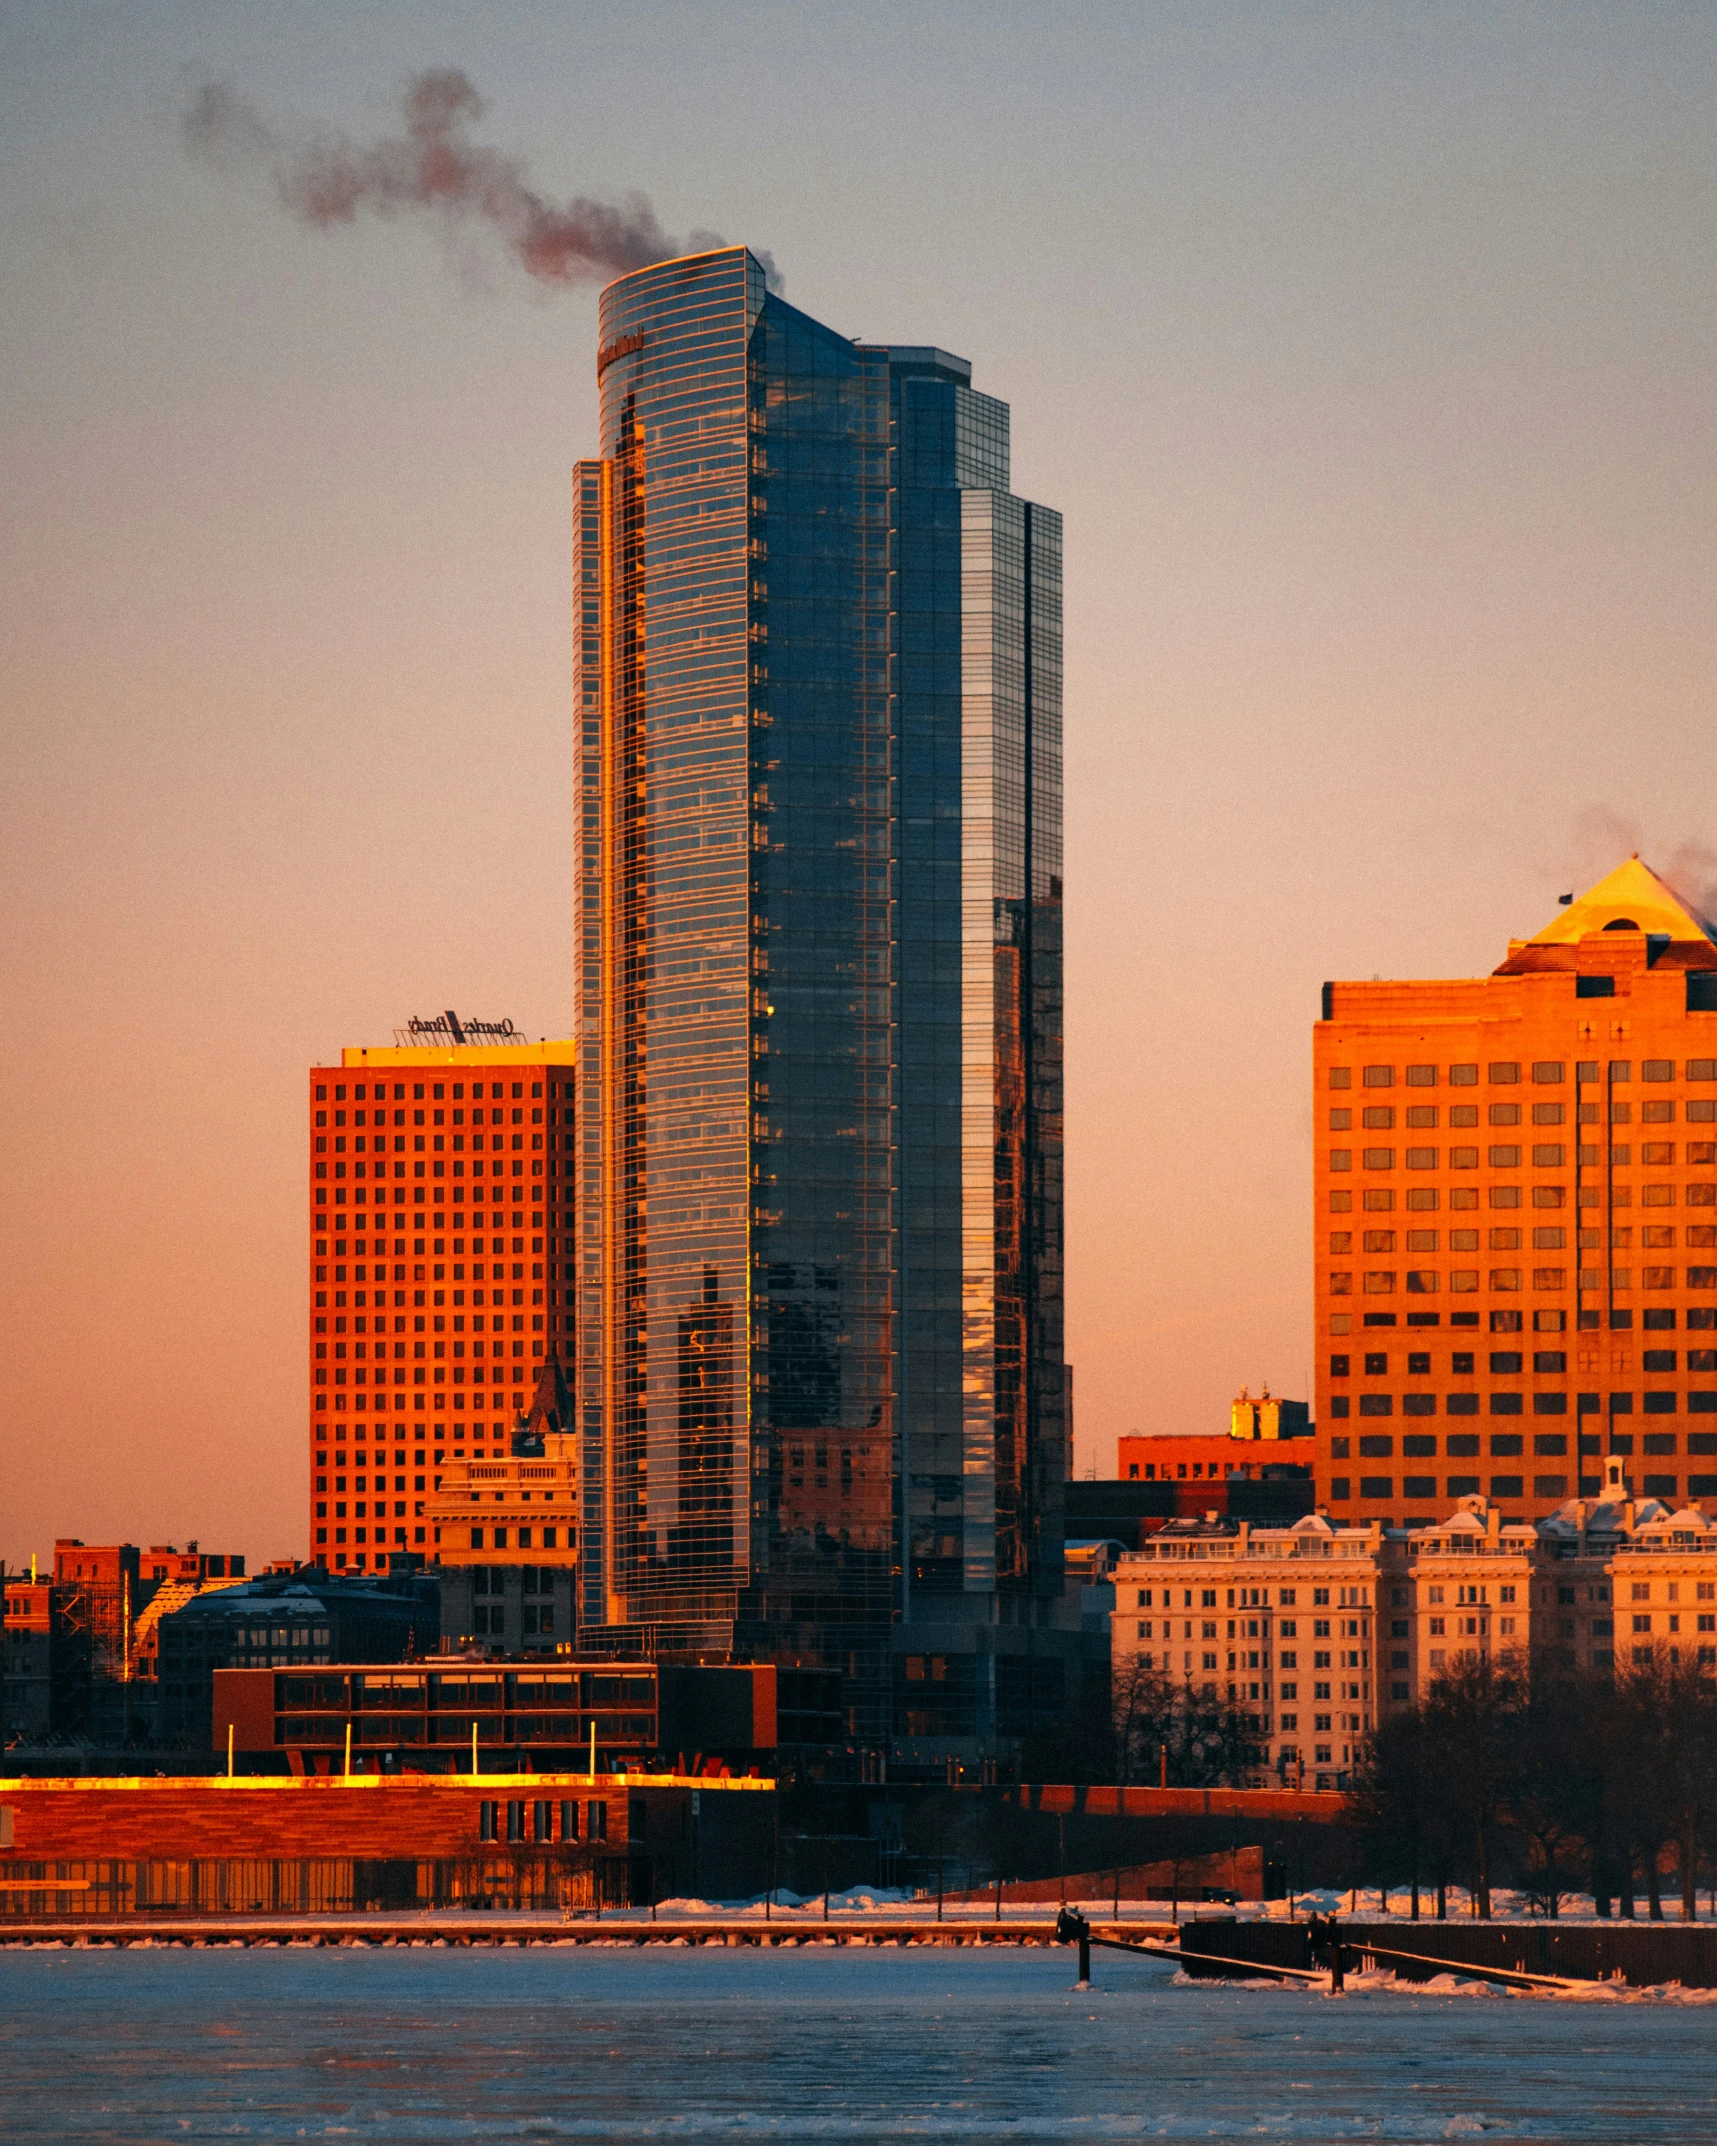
(1633, 896)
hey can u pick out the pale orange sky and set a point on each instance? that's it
(1367, 351)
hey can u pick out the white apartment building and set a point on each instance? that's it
(1280, 1621)
(1319, 1632)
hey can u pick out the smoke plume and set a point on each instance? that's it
(435, 170)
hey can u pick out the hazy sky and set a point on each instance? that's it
(1367, 350)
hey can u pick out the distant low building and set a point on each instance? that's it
(1259, 1428)
(44, 1664)
(505, 1530)
(287, 1621)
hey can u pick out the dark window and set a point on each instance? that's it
(1505, 1444)
(1549, 1486)
(1376, 1486)
(1547, 1360)
(1376, 1448)
(1550, 1442)
(1660, 1359)
(1339, 1404)
(1503, 1072)
(1376, 1366)
(1338, 1489)
(1463, 1445)
(1376, 1404)
(1461, 1404)
(1419, 1486)
(1379, 1076)
(1658, 1442)
(1463, 1486)
(1504, 1361)
(1549, 1404)
(1507, 1486)
(1660, 1486)
(1419, 1447)
(1338, 1367)
(1506, 1404)
(1419, 1404)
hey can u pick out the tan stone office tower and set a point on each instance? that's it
(1516, 1217)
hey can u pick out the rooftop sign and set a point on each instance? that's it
(449, 1024)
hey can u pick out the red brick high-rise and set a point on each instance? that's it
(441, 1274)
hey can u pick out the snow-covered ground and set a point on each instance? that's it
(1367, 1905)
(817, 2043)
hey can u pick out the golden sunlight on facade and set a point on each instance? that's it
(1516, 1216)
(440, 1276)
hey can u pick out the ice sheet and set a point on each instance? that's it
(813, 2044)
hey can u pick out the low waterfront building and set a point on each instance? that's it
(286, 1845)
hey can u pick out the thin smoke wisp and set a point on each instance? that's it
(435, 170)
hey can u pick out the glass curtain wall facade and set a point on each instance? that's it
(819, 1193)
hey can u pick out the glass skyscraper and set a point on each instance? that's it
(819, 1191)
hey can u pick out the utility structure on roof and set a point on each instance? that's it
(1516, 1217)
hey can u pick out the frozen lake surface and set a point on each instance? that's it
(545, 2043)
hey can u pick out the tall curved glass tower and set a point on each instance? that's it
(819, 1195)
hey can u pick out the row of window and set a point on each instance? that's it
(1380, 1117)
(542, 1826)
(1505, 1445)
(1654, 1318)
(1505, 1073)
(1549, 1155)
(496, 1320)
(439, 1090)
(439, 1248)
(362, 1534)
(1699, 1403)
(1505, 1280)
(362, 1143)
(1427, 1199)
(1373, 1488)
(1546, 1237)
(1506, 1363)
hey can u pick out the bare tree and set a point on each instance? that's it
(1474, 1717)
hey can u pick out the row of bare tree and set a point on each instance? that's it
(1168, 1730)
(1581, 1781)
